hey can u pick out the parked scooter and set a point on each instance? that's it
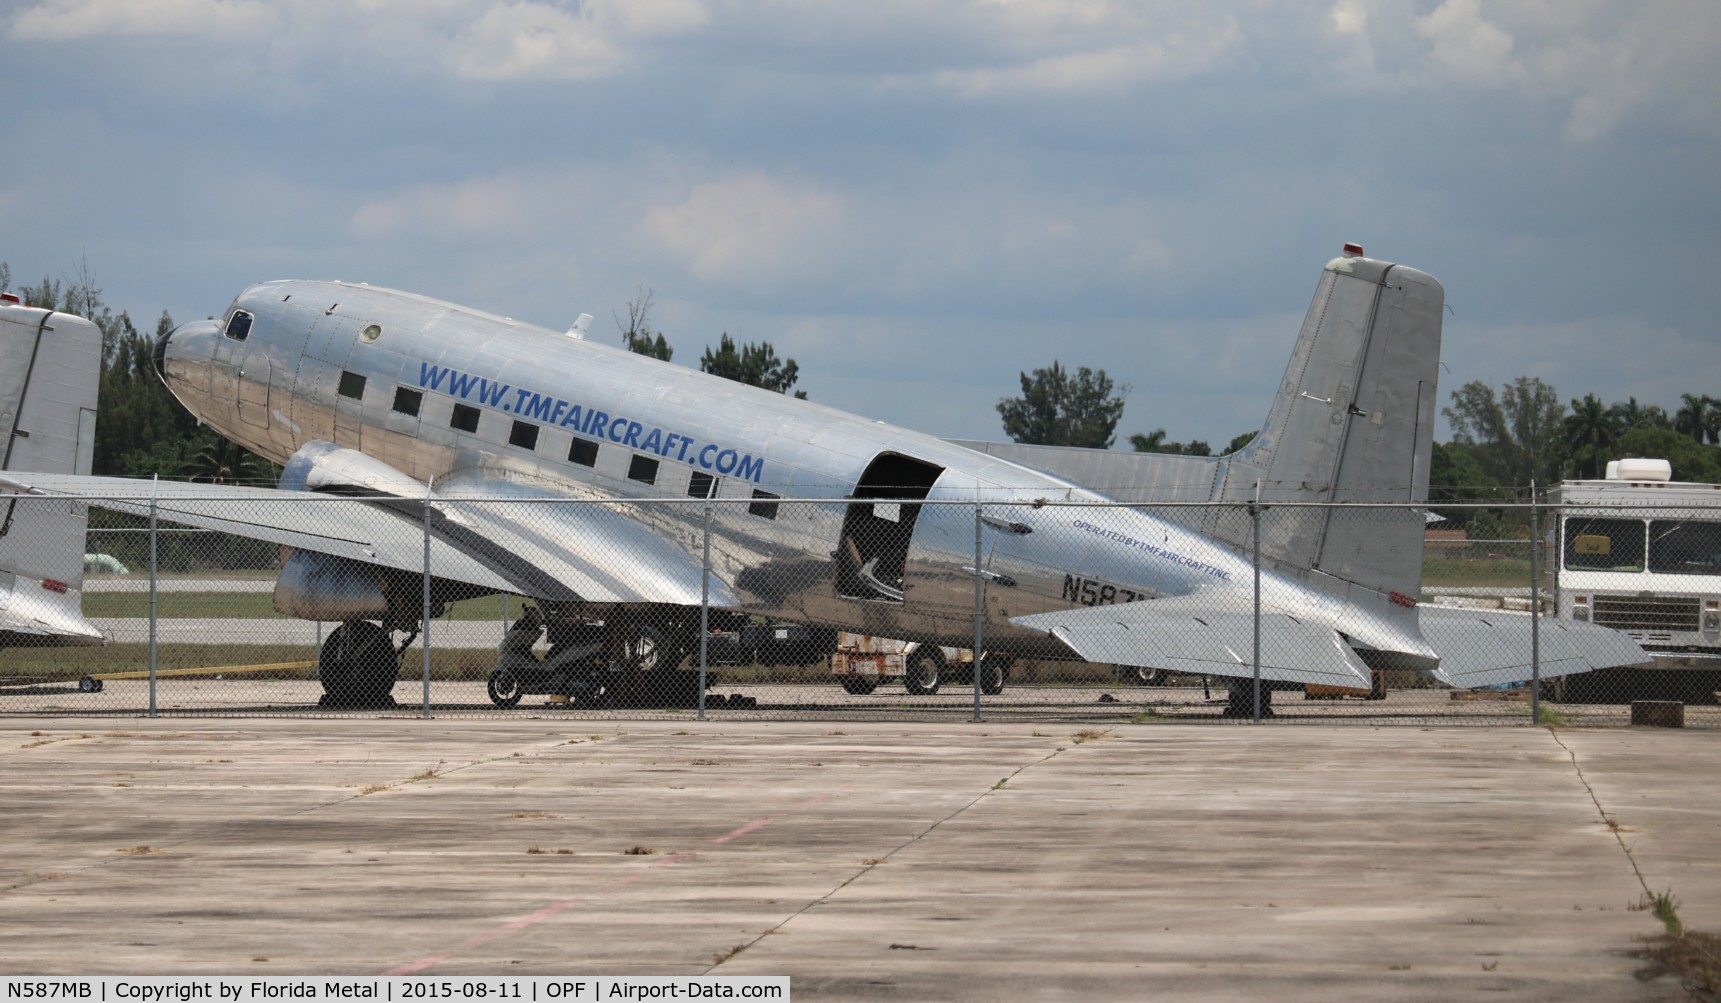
(575, 667)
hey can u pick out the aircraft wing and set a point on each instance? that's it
(542, 549)
(1206, 636)
(1492, 647)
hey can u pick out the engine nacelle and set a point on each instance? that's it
(320, 465)
(320, 587)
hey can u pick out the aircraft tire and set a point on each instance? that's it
(357, 666)
(653, 649)
(1141, 675)
(859, 686)
(504, 688)
(993, 672)
(924, 669)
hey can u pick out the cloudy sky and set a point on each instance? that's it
(916, 200)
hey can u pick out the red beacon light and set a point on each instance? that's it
(10, 298)
(1353, 250)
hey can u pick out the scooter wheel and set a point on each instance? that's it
(504, 687)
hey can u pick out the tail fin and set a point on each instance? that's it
(1353, 422)
(50, 366)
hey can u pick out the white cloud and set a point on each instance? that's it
(748, 229)
(516, 41)
(1117, 67)
(1468, 47)
(501, 40)
(66, 20)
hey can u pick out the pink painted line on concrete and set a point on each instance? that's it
(556, 908)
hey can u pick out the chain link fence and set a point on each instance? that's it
(201, 622)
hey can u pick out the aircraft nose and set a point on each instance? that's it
(161, 354)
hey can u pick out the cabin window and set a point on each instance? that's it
(584, 452)
(524, 434)
(465, 418)
(238, 326)
(764, 504)
(701, 485)
(352, 385)
(407, 400)
(642, 469)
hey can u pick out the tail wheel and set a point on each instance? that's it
(357, 666)
(504, 688)
(924, 668)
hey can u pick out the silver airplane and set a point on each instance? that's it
(397, 413)
(50, 366)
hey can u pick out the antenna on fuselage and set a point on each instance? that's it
(581, 323)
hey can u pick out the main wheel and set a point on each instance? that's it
(504, 687)
(652, 650)
(993, 671)
(357, 666)
(859, 686)
(924, 668)
(1141, 675)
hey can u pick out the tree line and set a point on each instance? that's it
(1502, 442)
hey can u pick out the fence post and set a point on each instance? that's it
(1535, 607)
(424, 612)
(1255, 521)
(154, 483)
(979, 609)
(705, 610)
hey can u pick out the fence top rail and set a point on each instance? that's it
(167, 499)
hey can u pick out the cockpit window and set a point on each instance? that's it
(238, 326)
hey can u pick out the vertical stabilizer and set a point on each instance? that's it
(1353, 422)
(50, 365)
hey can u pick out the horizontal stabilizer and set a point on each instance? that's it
(1492, 648)
(1195, 635)
(36, 612)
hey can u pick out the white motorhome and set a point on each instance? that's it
(1641, 553)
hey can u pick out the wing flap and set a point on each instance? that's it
(1184, 636)
(1492, 648)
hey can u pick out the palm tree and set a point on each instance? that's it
(1589, 433)
(1697, 418)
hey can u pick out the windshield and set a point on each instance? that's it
(1604, 544)
(1685, 547)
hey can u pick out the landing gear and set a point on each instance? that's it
(1141, 675)
(994, 669)
(357, 667)
(924, 668)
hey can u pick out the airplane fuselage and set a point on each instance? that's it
(442, 393)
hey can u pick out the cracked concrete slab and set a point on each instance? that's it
(875, 861)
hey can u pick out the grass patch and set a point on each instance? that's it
(639, 851)
(46, 665)
(1087, 735)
